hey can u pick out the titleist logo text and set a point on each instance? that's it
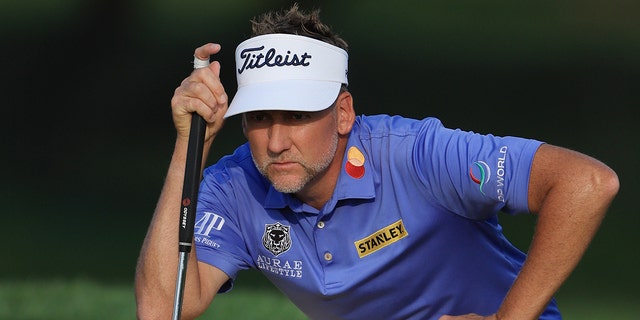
(253, 59)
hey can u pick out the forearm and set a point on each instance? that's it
(158, 262)
(553, 255)
(568, 219)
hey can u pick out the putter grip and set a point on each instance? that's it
(193, 167)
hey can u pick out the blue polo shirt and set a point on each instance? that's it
(411, 231)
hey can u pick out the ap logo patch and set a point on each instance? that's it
(276, 238)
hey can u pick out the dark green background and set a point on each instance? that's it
(87, 133)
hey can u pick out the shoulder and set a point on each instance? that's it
(383, 124)
(237, 166)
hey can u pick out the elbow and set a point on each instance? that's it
(152, 308)
(604, 185)
(150, 311)
(146, 310)
(151, 304)
(608, 183)
(144, 313)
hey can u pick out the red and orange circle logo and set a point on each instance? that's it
(355, 163)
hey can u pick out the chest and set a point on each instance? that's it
(338, 251)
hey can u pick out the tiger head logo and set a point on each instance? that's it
(276, 238)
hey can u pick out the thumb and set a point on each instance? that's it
(203, 52)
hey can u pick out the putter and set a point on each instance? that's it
(193, 166)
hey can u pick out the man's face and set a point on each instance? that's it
(290, 148)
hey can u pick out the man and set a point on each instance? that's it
(362, 217)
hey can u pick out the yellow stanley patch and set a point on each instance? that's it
(381, 238)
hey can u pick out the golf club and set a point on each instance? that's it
(190, 188)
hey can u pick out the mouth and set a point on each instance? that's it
(283, 165)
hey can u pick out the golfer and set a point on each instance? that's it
(361, 217)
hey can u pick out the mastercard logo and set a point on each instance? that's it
(355, 163)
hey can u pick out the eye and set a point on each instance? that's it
(256, 116)
(299, 116)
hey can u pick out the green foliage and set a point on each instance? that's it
(59, 299)
(87, 299)
(83, 299)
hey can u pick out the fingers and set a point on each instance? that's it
(210, 77)
(201, 92)
(211, 81)
(188, 99)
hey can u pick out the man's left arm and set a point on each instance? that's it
(570, 192)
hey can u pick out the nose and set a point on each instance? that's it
(279, 138)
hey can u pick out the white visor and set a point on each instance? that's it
(287, 72)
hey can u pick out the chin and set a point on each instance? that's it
(287, 185)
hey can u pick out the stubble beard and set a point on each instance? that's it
(311, 170)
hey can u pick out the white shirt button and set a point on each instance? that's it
(328, 256)
(320, 225)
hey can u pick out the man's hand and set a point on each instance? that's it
(201, 92)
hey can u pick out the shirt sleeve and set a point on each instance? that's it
(471, 174)
(217, 235)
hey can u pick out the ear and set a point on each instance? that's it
(346, 113)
